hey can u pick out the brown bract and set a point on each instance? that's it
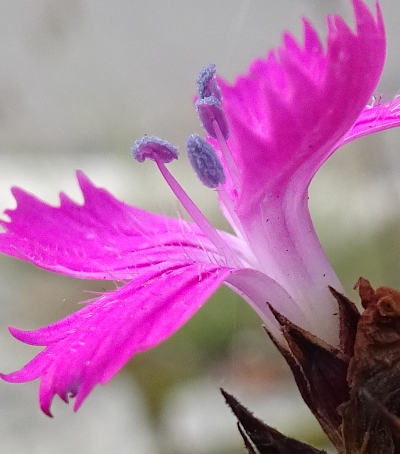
(370, 422)
(353, 390)
(259, 438)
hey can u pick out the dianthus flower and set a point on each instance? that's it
(272, 130)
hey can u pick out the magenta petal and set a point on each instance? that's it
(101, 239)
(375, 118)
(288, 112)
(91, 345)
(259, 290)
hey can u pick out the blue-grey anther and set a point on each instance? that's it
(210, 110)
(207, 84)
(154, 148)
(204, 161)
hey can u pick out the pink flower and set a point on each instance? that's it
(273, 128)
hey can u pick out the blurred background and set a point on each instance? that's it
(80, 80)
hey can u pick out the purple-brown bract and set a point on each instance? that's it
(286, 116)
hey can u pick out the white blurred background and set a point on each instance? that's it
(79, 81)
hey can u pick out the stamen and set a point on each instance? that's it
(161, 152)
(204, 161)
(197, 216)
(210, 110)
(154, 148)
(207, 84)
(230, 163)
(213, 119)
